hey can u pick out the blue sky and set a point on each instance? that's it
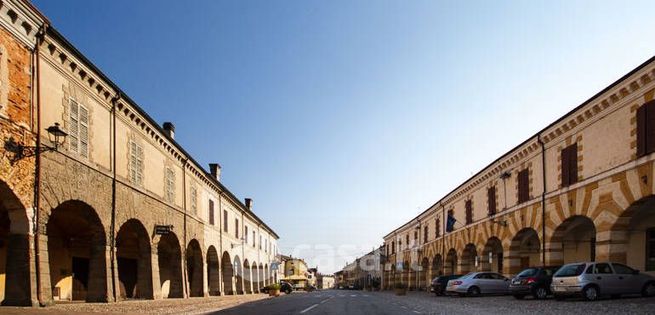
(345, 119)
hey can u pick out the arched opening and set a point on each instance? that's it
(468, 259)
(213, 279)
(228, 273)
(247, 277)
(239, 275)
(260, 274)
(451, 262)
(169, 259)
(406, 273)
(15, 283)
(77, 256)
(524, 250)
(392, 276)
(194, 268)
(133, 253)
(424, 274)
(633, 236)
(437, 265)
(576, 240)
(492, 256)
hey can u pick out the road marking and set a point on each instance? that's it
(308, 309)
(417, 312)
(326, 300)
(353, 295)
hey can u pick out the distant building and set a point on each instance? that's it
(324, 282)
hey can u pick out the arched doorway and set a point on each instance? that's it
(392, 276)
(15, 283)
(437, 264)
(239, 275)
(228, 273)
(406, 273)
(524, 250)
(468, 259)
(633, 236)
(169, 259)
(450, 268)
(213, 279)
(492, 256)
(194, 268)
(576, 240)
(247, 277)
(133, 253)
(424, 274)
(77, 256)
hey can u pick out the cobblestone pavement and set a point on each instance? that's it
(425, 303)
(169, 306)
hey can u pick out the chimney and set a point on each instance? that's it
(249, 204)
(169, 128)
(215, 170)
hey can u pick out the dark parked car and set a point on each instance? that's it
(285, 287)
(533, 281)
(439, 283)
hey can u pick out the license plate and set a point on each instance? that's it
(559, 289)
(516, 282)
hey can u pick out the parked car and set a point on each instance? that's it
(284, 287)
(439, 283)
(592, 280)
(533, 281)
(478, 283)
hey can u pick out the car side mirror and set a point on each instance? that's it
(635, 272)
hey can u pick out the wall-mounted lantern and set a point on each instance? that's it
(56, 135)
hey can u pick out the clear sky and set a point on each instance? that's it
(345, 119)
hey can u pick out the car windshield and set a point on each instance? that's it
(570, 270)
(528, 272)
(468, 275)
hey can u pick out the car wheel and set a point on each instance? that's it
(474, 291)
(590, 293)
(540, 293)
(649, 289)
(519, 296)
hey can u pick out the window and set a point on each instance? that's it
(265, 245)
(622, 269)
(225, 221)
(245, 233)
(469, 211)
(425, 234)
(194, 199)
(524, 185)
(602, 269)
(491, 200)
(236, 228)
(78, 129)
(437, 230)
(211, 212)
(646, 129)
(260, 242)
(570, 165)
(415, 236)
(254, 240)
(136, 164)
(650, 249)
(170, 184)
(407, 240)
(393, 247)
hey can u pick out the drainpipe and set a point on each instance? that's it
(443, 240)
(220, 243)
(184, 267)
(37, 165)
(543, 200)
(112, 238)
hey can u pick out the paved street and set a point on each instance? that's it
(339, 302)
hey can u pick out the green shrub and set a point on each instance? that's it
(274, 286)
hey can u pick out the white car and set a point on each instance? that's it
(478, 283)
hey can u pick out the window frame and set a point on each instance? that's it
(169, 180)
(136, 163)
(75, 133)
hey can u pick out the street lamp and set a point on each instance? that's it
(56, 135)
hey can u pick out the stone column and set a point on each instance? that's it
(20, 272)
(205, 275)
(154, 267)
(45, 285)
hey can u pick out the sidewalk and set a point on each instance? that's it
(168, 306)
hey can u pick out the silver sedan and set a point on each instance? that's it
(478, 283)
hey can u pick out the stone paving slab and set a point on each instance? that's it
(168, 306)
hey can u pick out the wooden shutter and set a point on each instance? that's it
(84, 132)
(641, 130)
(438, 228)
(524, 186)
(650, 126)
(566, 165)
(573, 163)
(469, 212)
(491, 199)
(211, 212)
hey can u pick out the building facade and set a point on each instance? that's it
(324, 282)
(119, 210)
(581, 189)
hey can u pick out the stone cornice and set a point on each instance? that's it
(21, 20)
